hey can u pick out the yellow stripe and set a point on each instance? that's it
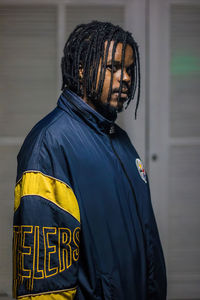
(36, 183)
(68, 295)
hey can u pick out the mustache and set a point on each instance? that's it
(125, 90)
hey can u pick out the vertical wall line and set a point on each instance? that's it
(61, 36)
(147, 74)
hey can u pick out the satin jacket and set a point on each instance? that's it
(84, 227)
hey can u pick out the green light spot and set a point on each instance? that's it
(185, 65)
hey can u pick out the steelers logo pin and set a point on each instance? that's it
(141, 169)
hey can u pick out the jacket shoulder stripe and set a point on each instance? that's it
(52, 189)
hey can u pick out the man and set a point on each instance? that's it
(84, 227)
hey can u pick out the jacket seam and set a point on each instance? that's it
(49, 176)
(49, 201)
(51, 204)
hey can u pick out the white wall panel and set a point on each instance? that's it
(174, 108)
(7, 174)
(27, 66)
(185, 71)
(27, 92)
(184, 161)
(83, 14)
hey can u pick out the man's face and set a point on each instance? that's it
(117, 70)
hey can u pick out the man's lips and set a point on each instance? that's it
(122, 91)
(122, 95)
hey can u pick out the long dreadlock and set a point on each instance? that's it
(85, 49)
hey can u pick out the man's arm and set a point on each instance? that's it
(45, 238)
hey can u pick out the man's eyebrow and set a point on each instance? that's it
(115, 62)
(118, 63)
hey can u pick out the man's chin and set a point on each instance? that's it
(120, 108)
(106, 110)
(109, 111)
(118, 105)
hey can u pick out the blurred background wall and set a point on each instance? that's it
(166, 133)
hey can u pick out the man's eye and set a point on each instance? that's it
(109, 67)
(130, 70)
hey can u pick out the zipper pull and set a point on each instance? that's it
(112, 129)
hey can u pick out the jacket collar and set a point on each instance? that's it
(72, 103)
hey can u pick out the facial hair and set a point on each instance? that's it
(106, 110)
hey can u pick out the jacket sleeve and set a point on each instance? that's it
(45, 238)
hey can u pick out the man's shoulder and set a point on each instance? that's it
(43, 142)
(38, 132)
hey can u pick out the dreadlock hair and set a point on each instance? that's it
(85, 49)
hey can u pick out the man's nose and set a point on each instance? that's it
(126, 77)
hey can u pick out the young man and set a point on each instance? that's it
(84, 227)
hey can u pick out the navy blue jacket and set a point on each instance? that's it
(84, 227)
